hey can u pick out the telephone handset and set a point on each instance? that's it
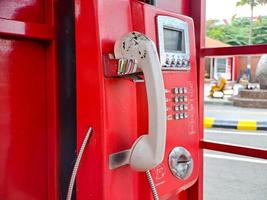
(148, 150)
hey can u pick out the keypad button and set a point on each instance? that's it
(167, 91)
(177, 99)
(184, 63)
(179, 63)
(167, 62)
(176, 116)
(185, 115)
(175, 90)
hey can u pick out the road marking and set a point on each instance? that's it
(258, 161)
(247, 125)
(208, 122)
(223, 131)
(234, 111)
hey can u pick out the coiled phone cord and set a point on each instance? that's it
(152, 185)
(77, 163)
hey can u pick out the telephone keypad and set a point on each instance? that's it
(179, 103)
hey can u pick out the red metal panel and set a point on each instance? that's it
(52, 122)
(23, 124)
(28, 102)
(235, 149)
(26, 10)
(176, 6)
(197, 12)
(90, 105)
(26, 30)
(236, 50)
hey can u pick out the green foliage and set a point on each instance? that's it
(237, 31)
(252, 3)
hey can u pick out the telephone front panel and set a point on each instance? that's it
(174, 38)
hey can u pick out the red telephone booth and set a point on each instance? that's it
(132, 70)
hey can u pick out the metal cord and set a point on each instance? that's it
(152, 185)
(77, 163)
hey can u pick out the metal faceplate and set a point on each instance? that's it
(173, 60)
(181, 163)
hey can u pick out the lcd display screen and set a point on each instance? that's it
(173, 40)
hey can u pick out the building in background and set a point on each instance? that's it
(219, 66)
(230, 67)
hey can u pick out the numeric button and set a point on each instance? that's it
(167, 62)
(179, 63)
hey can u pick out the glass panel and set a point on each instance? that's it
(233, 177)
(235, 22)
(235, 100)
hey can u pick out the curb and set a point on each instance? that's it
(212, 102)
(210, 122)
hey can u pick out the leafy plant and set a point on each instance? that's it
(236, 32)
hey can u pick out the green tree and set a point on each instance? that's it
(235, 32)
(252, 4)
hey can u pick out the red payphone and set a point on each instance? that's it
(141, 102)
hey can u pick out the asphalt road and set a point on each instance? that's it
(236, 113)
(232, 177)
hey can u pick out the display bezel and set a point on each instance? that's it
(176, 24)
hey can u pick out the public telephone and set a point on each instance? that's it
(170, 147)
(144, 111)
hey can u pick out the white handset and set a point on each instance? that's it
(148, 150)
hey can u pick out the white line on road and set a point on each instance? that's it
(258, 161)
(235, 111)
(223, 131)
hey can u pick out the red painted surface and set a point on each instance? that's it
(236, 50)
(176, 6)
(28, 101)
(235, 149)
(197, 12)
(236, 68)
(117, 109)
(23, 163)
(26, 10)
